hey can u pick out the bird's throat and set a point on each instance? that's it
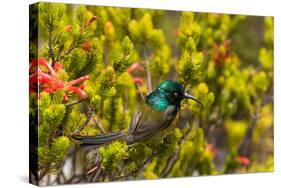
(157, 101)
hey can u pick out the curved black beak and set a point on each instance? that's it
(187, 96)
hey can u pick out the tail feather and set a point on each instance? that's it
(103, 136)
(94, 142)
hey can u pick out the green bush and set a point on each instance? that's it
(104, 60)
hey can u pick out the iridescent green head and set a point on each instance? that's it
(168, 93)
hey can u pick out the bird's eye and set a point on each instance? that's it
(176, 94)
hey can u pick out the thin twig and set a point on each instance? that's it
(43, 172)
(137, 171)
(97, 174)
(141, 94)
(92, 170)
(245, 144)
(112, 113)
(60, 172)
(149, 82)
(73, 163)
(88, 118)
(59, 54)
(174, 158)
(70, 50)
(97, 167)
(63, 176)
(51, 52)
(75, 102)
(74, 179)
(48, 179)
(99, 125)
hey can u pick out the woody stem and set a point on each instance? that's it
(149, 82)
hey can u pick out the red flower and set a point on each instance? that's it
(138, 80)
(87, 46)
(57, 67)
(212, 149)
(134, 67)
(43, 75)
(68, 28)
(175, 33)
(242, 160)
(91, 20)
(220, 56)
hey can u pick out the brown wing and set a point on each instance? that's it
(148, 123)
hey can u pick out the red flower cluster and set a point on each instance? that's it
(242, 160)
(133, 68)
(220, 55)
(212, 149)
(42, 74)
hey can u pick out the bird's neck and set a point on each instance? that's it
(157, 100)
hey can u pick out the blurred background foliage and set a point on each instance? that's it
(226, 61)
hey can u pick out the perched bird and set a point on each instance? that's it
(154, 120)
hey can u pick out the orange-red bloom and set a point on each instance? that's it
(138, 80)
(134, 68)
(91, 20)
(68, 28)
(242, 160)
(87, 46)
(42, 74)
(220, 56)
(212, 149)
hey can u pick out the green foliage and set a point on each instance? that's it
(169, 145)
(269, 31)
(206, 97)
(103, 87)
(266, 58)
(117, 117)
(112, 155)
(260, 81)
(51, 15)
(125, 88)
(93, 59)
(143, 32)
(74, 121)
(53, 115)
(82, 16)
(193, 156)
(159, 65)
(59, 148)
(124, 56)
(190, 66)
(230, 164)
(263, 123)
(50, 110)
(139, 152)
(190, 32)
(235, 132)
(51, 157)
(203, 54)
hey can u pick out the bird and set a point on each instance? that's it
(153, 121)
